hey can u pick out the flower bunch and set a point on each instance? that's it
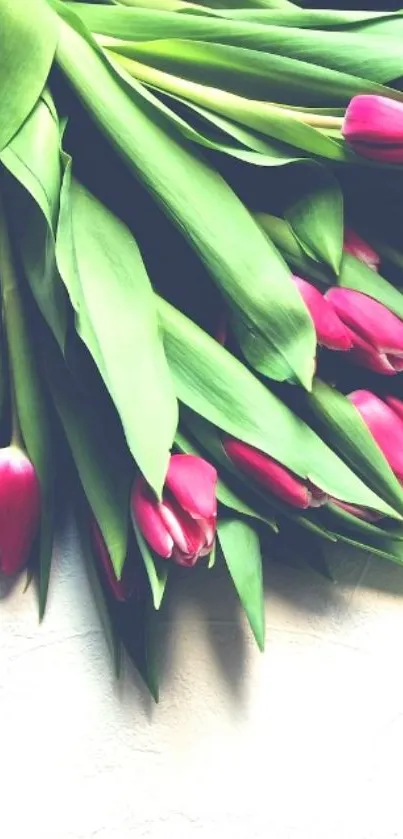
(201, 289)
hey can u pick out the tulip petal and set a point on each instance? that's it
(369, 319)
(330, 331)
(268, 473)
(188, 536)
(358, 247)
(384, 425)
(146, 511)
(374, 121)
(19, 508)
(395, 404)
(192, 481)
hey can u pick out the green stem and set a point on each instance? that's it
(8, 283)
(221, 101)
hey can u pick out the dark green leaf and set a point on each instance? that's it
(241, 549)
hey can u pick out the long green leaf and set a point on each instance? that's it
(116, 318)
(33, 159)
(241, 549)
(196, 198)
(27, 47)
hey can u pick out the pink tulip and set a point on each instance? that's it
(373, 127)
(123, 588)
(358, 247)
(330, 331)
(271, 475)
(385, 426)
(20, 508)
(376, 332)
(182, 526)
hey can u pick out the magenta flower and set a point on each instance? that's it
(385, 426)
(122, 589)
(330, 331)
(182, 526)
(373, 127)
(358, 247)
(272, 476)
(20, 508)
(377, 333)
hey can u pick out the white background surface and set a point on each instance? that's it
(303, 742)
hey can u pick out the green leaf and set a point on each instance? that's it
(33, 159)
(30, 401)
(241, 549)
(214, 384)
(119, 326)
(316, 218)
(100, 456)
(346, 431)
(27, 47)
(157, 569)
(207, 211)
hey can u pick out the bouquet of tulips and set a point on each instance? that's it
(201, 276)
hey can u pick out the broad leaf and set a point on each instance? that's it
(27, 47)
(119, 324)
(33, 159)
(241, 548)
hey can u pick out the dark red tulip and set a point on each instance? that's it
(20, 508)
(271, 475)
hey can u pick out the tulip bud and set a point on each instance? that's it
(376, 332)
(20, 508)
(385, 426)
(271, 475)
(358, 247)
(182, 526)
(373, 127)
(330, 331)
(123, 588)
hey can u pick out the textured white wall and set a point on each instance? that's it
(304, 742)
